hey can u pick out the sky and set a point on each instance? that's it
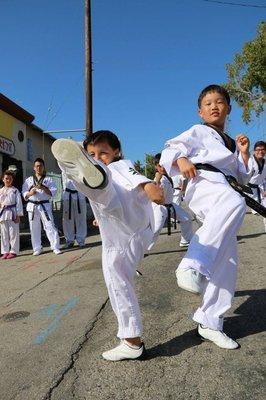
(151, 59)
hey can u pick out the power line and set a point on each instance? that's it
(234, 4)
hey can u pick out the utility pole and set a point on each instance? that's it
(88, 67)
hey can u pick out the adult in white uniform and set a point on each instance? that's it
(210, 264)
(11, 210)
(123, 210)
(74, 214)
(258, 178)
(38, 190)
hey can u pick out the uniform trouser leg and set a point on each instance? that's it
(119, 267)
(5, 240)
(222, 211)
(185, 223)
(219, 290)
(50, 229)
(35, 230)
(81, 221)
(68, 224)
(14, 237)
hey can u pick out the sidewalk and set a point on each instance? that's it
(56, 321)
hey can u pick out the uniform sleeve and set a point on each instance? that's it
(180, 146)
(25, 188)
(244, 173)
(51, 186)
(128, 176)
(19, 206)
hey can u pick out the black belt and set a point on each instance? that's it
(241, 189)
(7, 207)
(253, 186)
(41, 203)
(170, 207)
(70, 191)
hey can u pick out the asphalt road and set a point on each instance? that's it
(56, 320)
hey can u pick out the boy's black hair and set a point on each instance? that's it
(157, 158)
(260, 143)
(214, 88)
(103, 137)
(40, 160)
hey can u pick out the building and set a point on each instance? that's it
(21, 142)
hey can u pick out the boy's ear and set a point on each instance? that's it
(229, 110)
(199, 112)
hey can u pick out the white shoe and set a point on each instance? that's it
(184, 244)
(79, 164)
(37, 252)
(123, 352)
(57, 251)
(189, 279)
(217, 337)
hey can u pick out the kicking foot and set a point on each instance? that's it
(217, 337)
(189, 279)
(79, 164)
(124, 352)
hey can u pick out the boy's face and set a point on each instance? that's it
(214, 109)
(102, 152)
(8, 180)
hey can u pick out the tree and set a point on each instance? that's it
(149, 168)
(138, 167)
(247, 75)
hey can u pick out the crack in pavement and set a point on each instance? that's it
(75, 354)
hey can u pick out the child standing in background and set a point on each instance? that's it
(11, 210)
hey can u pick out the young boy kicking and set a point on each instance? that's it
(210, 264)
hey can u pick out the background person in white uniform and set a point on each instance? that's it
(38, 190)
(121, 202)
(11, 210)
(74, 214)
(258, 178)
(210, 264)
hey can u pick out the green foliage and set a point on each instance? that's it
(148, 169)
(247, 75)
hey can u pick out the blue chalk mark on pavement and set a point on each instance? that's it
(43, 335)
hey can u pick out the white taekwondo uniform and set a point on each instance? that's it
(124, 214)
(74, 213)
(257, 183)
(10, 208)
(213, 248)
(40, 209)
(177, 182)
(160, 214)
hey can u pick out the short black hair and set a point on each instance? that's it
(40, 160)
(214, 88)
(103, 136)
(157, 158)
(260, 143)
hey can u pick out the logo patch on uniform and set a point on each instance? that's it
(133, 171)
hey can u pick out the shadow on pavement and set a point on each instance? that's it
(252, 235)
(251, 318)
(174, 346)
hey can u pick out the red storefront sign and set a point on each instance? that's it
(6, 146)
